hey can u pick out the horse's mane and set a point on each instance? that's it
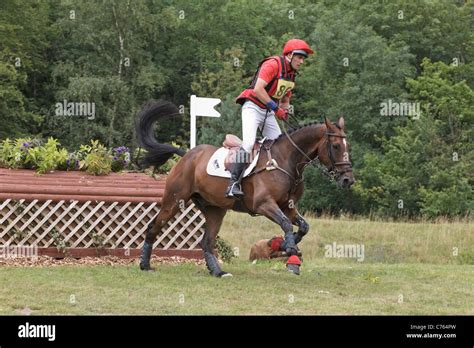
(294, 129)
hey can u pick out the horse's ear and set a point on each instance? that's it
(341, 123)
(328, 122)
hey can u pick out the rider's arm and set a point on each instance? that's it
(268, 71)
(260, 91)
(262, 94)
(285, 102)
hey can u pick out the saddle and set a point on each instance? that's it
(233, 143)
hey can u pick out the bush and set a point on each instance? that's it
(98, 160)
(94, 158)
(14, 153)
(224, 249)
(452, 201)
(321, 195)
(27, 153)
(47, 157)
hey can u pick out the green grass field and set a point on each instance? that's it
(408, 269)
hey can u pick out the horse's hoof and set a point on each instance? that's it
(295, 269)
(147, 268)
(225, 275)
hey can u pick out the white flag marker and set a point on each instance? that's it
(201, 107)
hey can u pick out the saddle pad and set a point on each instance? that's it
(215, 166)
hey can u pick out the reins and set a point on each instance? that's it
(333, 173)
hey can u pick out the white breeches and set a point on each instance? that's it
(253, 118)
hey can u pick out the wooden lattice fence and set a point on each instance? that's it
(75, 214)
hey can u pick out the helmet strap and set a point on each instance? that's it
(290, 60)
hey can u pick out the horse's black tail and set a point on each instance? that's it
(153, 111)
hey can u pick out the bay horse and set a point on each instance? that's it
(271, 193)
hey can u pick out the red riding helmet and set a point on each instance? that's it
(297, 46)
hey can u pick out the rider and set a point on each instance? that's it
(267, 96)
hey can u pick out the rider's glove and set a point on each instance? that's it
(282, 114)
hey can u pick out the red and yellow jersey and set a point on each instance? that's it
(280, 78)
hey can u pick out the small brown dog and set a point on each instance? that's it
(267, 249)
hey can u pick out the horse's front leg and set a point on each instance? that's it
(293, 214)
(297, 219)
(271, 210)
(303, 227)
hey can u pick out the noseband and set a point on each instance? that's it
(334, 171)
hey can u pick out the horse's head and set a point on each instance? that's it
(333, 152)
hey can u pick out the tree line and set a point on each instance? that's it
(401, 73)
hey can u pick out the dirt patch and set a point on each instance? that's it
(47, 261)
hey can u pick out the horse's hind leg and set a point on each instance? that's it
(214, 217)
(170, 206)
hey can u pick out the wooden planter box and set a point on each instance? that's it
(76, 214)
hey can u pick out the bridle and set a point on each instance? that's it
(337, 172)
(334, 173)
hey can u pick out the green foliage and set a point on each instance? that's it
(47, 157)
(452, 201)
(24, 29)
(225, 250)
(466, 257)
(58, 240)
(118, 73)
(27, 153)
(225, 77)
(95, 158)
(98, 160)
(330, 199)
(11, 154)
(428, 164)
(353, 72)
(12, 101)
(118, 54)
(98, 241)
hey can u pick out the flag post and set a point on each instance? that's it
(201, 107)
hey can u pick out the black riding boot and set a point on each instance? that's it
(234, 189)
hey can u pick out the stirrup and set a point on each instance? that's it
(230, 190)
